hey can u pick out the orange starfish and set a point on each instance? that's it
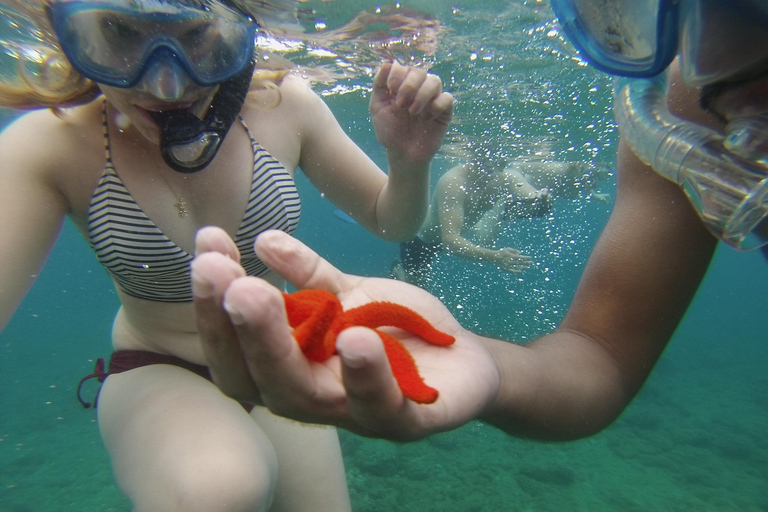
(317, 319)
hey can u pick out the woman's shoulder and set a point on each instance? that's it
(41, 130)
(292, 104)
(43, 141)
(292, 83)
(297, 94)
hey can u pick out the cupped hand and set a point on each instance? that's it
(253, 356)
(410, 111)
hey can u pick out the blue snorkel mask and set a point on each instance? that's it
(719, 41)
(640, 38)
(635, 38)
(118, 42)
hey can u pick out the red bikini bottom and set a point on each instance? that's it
(124, 360)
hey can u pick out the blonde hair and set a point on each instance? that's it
(42, 77)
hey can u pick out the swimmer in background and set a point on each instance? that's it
(473, 201)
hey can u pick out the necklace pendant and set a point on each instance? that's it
(181, 207)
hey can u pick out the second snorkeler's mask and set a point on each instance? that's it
(640, 38)
(119, 43)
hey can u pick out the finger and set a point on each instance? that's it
(517, 266)
(290, 385)
(441, 109)
(374, 400)
(380, 90)
(396, 77)
(299, 265)
(214, 239)
(409, 88)
(212, 274)
(382, 75)
(429, 89)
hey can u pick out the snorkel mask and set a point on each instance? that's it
(119, 43)
(725, 177)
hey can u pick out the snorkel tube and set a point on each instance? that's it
(725, 181)
(189, 144)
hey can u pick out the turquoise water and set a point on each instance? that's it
(694, 439)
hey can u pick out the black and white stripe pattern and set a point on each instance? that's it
(146, 264)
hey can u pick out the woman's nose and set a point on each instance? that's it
(165, 79)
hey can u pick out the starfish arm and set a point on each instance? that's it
(405, 371)
(312, 333)
(317, 318)
(301, 304)
(379, 314)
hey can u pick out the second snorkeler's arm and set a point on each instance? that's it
(393, 206)
(636, 287)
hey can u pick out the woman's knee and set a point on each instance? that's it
(225, 482)
(212, 481)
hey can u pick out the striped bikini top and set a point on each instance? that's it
(145, 263)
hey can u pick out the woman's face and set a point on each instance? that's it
(154, 58)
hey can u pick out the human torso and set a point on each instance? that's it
(471, 193)
(218, 195)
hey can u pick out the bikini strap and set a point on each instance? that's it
(98, 373)
(248, 131)
(105, 130)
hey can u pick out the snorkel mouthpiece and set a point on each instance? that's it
(186, 144)
(728, 189)
(189, 144)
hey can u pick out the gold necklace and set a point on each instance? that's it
(123, 123)
(180, 204)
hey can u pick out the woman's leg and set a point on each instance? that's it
(311, 475)
(178, 444)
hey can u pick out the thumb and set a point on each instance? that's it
(298, 264)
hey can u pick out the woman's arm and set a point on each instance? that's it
(411, 115)
(32, 208)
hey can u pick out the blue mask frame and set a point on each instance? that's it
(665, 22)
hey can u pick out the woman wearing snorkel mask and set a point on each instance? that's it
(174, 141)
(692, 163)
